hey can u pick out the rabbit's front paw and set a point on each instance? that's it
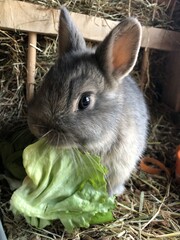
(117, 191)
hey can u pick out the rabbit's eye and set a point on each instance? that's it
(84, 101)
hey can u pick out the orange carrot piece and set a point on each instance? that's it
(158, 166)
(177, 170)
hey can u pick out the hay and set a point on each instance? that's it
(149, 13)
(13, 75)
(149, 209)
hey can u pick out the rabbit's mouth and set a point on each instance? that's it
(60, 139)
(53, 137)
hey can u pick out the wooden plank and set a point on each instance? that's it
(28, 17)
(35, 18)
(161, 39)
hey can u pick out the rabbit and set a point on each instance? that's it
(88, 100)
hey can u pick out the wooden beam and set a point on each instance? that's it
(31, 65)
(161, 39)
(28, 17)
(23, 16)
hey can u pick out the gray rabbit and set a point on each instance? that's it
(87, 100)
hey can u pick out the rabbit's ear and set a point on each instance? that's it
(70, 39)
(118, 52)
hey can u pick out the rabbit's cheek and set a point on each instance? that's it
(102, 144)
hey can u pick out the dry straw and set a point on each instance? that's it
(150, 208)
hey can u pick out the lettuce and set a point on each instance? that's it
(62, 184)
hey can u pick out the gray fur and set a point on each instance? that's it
(69, 38)
(115, 124)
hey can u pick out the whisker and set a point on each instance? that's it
(58, 139)
(47, 133)
(82, 163)
(95, 163)
(36, 125)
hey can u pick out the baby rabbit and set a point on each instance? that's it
(87, 100)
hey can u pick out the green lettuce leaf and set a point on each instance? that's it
(62, 184)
